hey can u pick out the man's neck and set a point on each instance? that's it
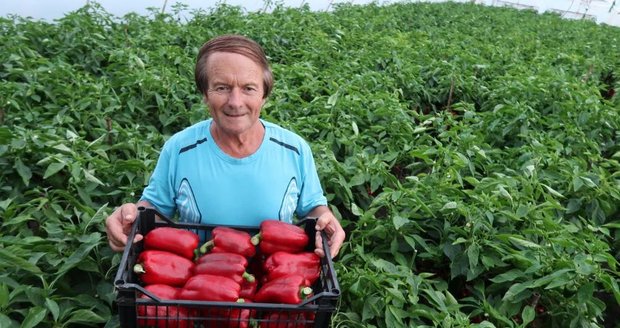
(239, 145)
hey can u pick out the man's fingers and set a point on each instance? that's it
(118, 226)
(320, 223)
(336, 243)
(128, 215)
(318, 241)
(115, 246)
(137, 238)
(328, 223)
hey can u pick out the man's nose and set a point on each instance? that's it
(235, 97)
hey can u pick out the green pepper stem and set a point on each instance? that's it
(138, 268)
(206, 247)
(255, 240)
(248, 276)
(305, 291)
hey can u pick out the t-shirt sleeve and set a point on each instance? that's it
(311, 194)
(160, 190)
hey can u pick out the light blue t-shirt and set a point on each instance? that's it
(205, 185)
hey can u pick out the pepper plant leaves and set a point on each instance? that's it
(34, 316)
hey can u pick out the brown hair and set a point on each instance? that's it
(236, 44)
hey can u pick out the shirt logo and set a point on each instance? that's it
(289, 203)
(186, 203)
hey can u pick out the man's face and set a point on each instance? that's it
(235, 92)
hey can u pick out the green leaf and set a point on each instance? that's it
(52, 169)
(508, 276)
(577, 183)
(34, 317)
(522, 242)
(399, 221)
(4, 296)
(10, 260)
(552, 191)
(331, 101)
(52, 306)
(449, 206)
(611, 284)
(356, 130)
(528, 315)
(4, 204)
(559, 276)
(90, 177)
(84, 316)
(393, 316)
(5, 135)
(76, 257)
(24, 171)
(5, 321)
(614, 225)
(357, 179)
(515, 290)
(504, 193)
(372, 307)
(473, 251)
(585, 292)
(384, 265)
(356, 210)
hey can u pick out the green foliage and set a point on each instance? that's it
(471, 153)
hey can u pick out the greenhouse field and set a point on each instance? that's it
(471, 152)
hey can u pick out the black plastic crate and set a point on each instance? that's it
(315, 311)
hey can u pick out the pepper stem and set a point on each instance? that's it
(305, 292)
(248, 276)
(255, 240)
(206, 247)
(138, 268)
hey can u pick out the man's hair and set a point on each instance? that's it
(236, 44)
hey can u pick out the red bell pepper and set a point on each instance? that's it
(248, 289)
(287, 320)
(231, 258)
(306, 264)
(277, 235)
(227, 318)
(208, 287)
(159, 315)
(234, 271)
(161, 267)
(175, 240)
(291, 289)
(229, 240)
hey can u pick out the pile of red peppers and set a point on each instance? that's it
(273, 266)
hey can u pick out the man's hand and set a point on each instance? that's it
(327, 222)
(118, 226)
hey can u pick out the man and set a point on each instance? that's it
(233, 169)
